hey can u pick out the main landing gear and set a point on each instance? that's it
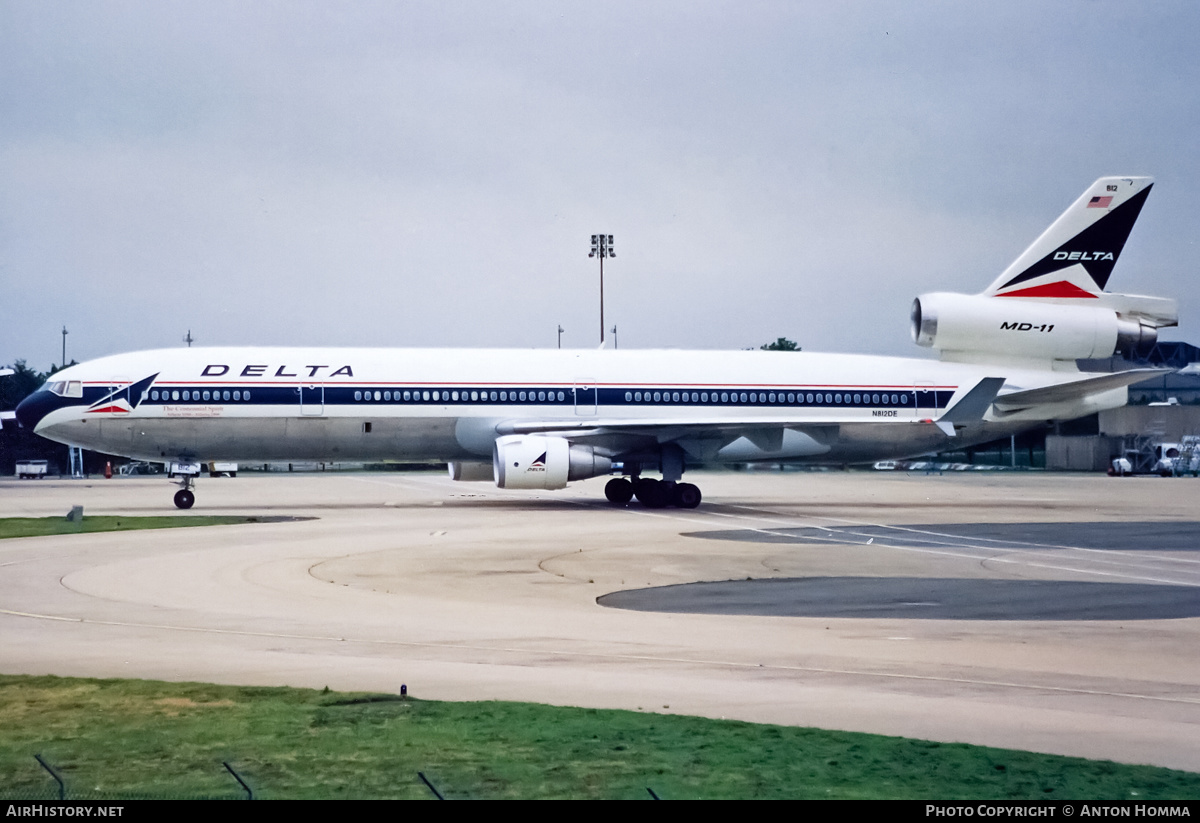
(651, 493)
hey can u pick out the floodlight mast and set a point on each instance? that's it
(602, 247)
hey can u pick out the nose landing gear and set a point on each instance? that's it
(185, 497)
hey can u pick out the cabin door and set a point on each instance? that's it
(585, 392)
(119, 402)
(312, 399)
(925, 400)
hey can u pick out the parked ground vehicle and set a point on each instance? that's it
(183, 469)
(31, 469)
(1165, 459)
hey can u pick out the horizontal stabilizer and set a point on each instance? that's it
(975, 403)
(1075, 390)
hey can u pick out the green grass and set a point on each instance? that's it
(40, 526)
(132, 738)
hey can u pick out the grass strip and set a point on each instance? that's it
(41, 526)
(126, 739)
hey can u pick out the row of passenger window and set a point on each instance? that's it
(186, 395)
(461, 396)
(789, 398)
(541, 396)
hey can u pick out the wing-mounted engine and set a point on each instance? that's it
(523, 461)
(1050, 304)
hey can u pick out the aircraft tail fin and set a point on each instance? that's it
(1075, 256)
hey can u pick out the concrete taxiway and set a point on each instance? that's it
(467, 592)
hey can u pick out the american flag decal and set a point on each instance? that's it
(1099, 203)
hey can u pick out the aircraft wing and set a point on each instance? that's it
(971, 408)
(624, 433)
(699, 436)
(617, 435)
(651, 425)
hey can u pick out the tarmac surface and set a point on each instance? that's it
(918, 598)
(1049, 612)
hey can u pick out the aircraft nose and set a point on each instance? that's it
(30, 411)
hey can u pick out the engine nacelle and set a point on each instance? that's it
(1013, 327)
(525, 461)
(471, 471)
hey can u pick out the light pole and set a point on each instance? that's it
(63, 364)
(614, 331)
(602, 247)
(560, 331)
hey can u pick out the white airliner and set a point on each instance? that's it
(538, 419)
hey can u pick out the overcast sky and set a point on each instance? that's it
(430, 173)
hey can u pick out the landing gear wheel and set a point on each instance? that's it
(619, 491)
(686, 496)
(650, 493)
(184, 499)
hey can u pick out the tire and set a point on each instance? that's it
(184, 499)
(687, 496)
(619, 491)
(650, 493)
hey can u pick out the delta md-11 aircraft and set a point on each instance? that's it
(541, 418)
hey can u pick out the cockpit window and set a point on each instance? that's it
(65, 388)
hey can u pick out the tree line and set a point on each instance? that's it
(23, 382)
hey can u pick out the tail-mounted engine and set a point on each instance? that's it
(1050, 303)
(541, 462)
(964, 326)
